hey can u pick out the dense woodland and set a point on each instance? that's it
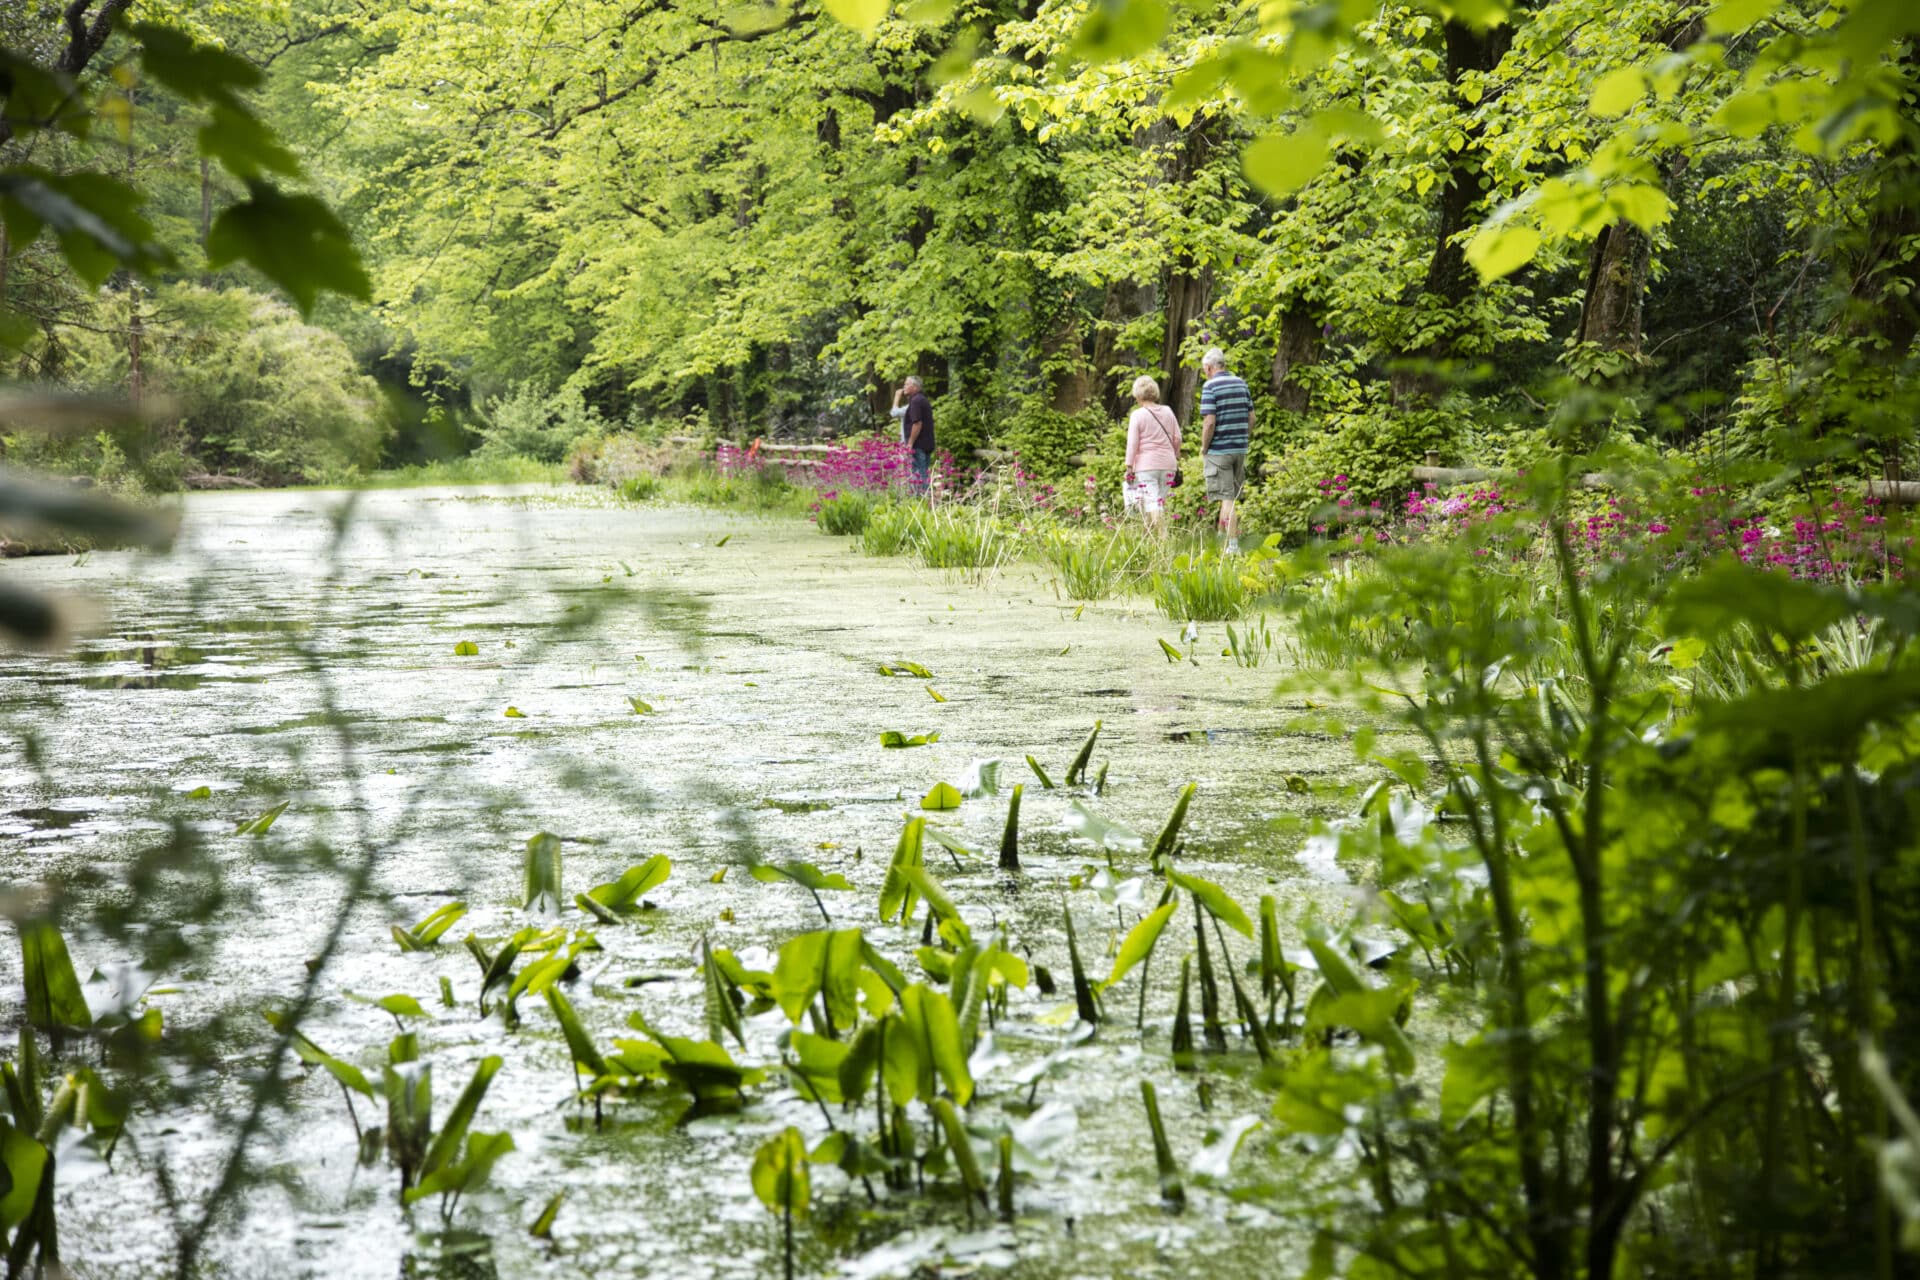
(597, 217)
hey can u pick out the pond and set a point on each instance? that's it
(301, 647)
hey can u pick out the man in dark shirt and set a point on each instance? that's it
(916, 431)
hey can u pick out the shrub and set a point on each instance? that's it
(1375, 449)
(532, 422)
(639, 486)
(843, 514)
(1050, 442)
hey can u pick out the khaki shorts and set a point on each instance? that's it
(1226, 475)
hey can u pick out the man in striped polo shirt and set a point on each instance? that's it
(1226, 417)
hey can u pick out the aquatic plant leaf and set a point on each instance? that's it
(515, 713)
(446, 1143)
(641, 707)
(862, 1060)
(897, 892)
(1169, 836)
(539, 976)
(1215, 900)
(826, 963)
(943, 796)
(1171, 1190)
(930, 1017)
(1184, 1057)
(894, 738)
(905, 1068)
(585, 1056)
(935, 694)
(905, 668)
(1276, 974)
(779, 1174)
(887, 971)
(400, 1006)
(1046, 783)
(938, 902)
(200, 793)
(1010, 834)
(604, 914)
(703, 1067)
(1077, 771)
(982, 778)
(1088, 825)
(484, 1150)
(262, 823)
(1085, 1005)
(543, 873)
(951, 842)
(961, 1145)
(465, 649)
(1357, 1004)
(424, 935)
(24, 1161)
(816, 1064)
(623, 893)
(542, 1228)
(1140, 941)
(1173, 654)
(408, 1088)
(54, 998)
(495, 967)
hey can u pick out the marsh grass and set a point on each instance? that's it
(1205, 587)
(892, 529)
(844, 514)
(966, 541)
(1093, 565)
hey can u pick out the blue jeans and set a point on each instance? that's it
(922, 464)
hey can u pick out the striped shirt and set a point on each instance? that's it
(1226, 398)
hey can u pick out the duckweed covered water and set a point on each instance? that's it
(269, 659)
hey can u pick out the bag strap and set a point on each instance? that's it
(1165, 434)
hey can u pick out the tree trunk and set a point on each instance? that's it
(1125, 301)
(1610, 315)
(1299, 348)
(1063, 354)
(1188, 290)
(206, 202)
(1449, 279)
(1616, 288)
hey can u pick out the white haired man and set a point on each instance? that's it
(916, 427)
(1226, 420)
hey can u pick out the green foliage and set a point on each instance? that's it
(533, 421)
(1050, 443)
(845, 514)
(892, 528)
(1207, 587)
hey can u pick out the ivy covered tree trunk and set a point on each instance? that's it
(1449, 279)
(1300, 346)
(1622, 257)
(1189, 289)
(1616, 289)
(1124, 302)
(1063, 355)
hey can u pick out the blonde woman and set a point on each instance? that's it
(1153, 451)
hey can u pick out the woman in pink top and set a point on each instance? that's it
(1153, 451)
